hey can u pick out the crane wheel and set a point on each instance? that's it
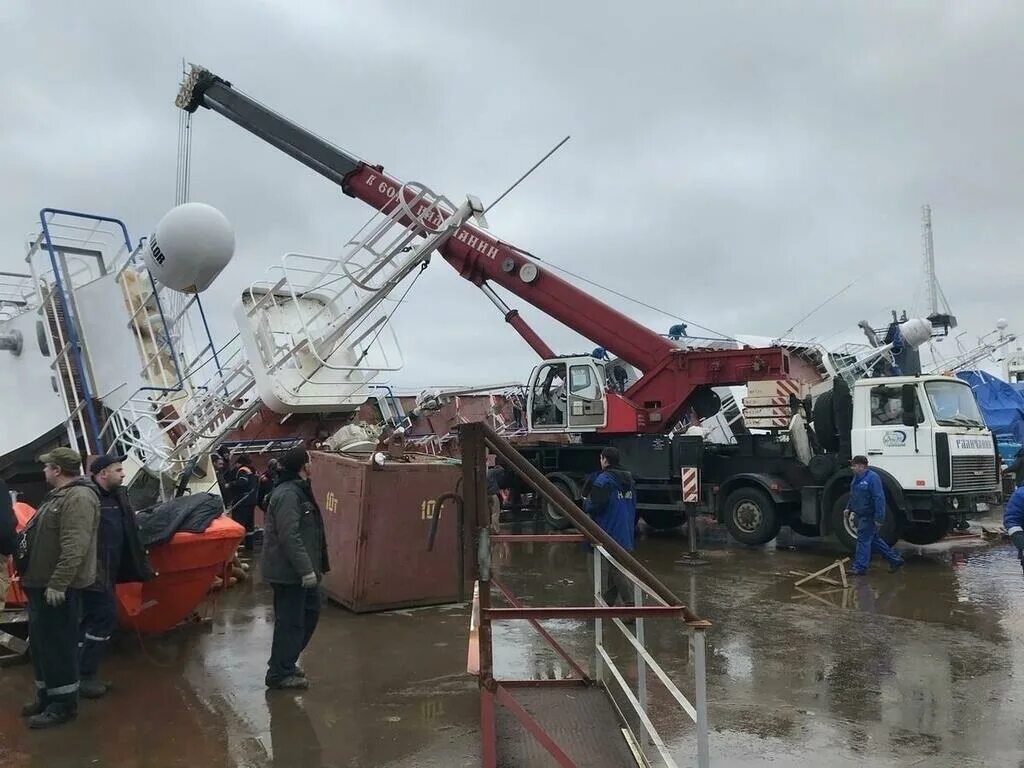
(844, 526)
(751, 516)
(552, 516)
(927, 533)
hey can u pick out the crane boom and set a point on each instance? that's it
(671, 374)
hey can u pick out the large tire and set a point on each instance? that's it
(751, 516)
(825, 422)
(662, 519)
(845, 526)
(927, 533)
(552, 516)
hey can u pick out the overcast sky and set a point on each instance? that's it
(733, 163)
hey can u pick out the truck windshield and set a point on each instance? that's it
(953, 403)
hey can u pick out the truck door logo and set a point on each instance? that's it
(895, 438)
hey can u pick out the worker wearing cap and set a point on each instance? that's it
(1013, 520)
(57, 559)
(294, 560)
(120, 558)
(867, 503)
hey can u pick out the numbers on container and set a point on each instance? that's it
(427, 509)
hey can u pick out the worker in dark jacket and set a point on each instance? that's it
(120, 558)
(495, 482)
(56, 559)
(268, 480)
(611, 501)
(245, 491)
(867, 503)
(294, 560)
(1013, 520)
(1016, 468)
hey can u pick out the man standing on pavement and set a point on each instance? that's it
(56, 560)
(495, 481)
(245, 490)
(294, 560)
(120, 558)
(867, 503)
(267, 482)
(611, 501)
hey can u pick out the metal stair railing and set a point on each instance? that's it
(476, 438)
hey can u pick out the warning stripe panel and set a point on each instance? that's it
(691, 484)
(787, 387)
(763, 402)
(766, 413)
(766, 423)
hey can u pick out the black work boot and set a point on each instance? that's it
(34, 708)
(290, 683)
(56, 713)
(91, 688)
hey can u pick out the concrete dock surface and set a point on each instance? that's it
(912, 669)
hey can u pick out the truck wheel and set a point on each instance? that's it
(845, 526)
(552, 515)
(751, 516)
(926, 533)
(662, 519)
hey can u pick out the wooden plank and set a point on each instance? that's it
(826, 569)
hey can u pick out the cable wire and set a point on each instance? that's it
(624, 296)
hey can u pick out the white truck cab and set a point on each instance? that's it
(567, 394)
(926, 432)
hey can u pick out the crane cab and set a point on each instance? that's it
(567, 394)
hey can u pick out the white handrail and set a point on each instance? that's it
(696, 711)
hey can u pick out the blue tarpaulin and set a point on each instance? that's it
(1002, 405)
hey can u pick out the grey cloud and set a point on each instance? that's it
(734, 163)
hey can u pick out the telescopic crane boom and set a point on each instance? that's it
(671, 375)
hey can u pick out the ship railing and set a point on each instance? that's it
(17, 295)
(318, 328)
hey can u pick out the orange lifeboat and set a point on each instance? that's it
(185, 568)
(15, 596)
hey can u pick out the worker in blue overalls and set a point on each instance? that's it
(1013, 520)
(867, 502)
(611, 502)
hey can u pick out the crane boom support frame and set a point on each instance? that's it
(671, 374)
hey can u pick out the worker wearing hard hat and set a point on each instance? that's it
(867, 502)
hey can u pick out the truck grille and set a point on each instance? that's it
(974, 473)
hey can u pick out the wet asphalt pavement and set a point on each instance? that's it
(913, 669)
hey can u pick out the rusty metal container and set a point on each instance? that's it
(377, 520)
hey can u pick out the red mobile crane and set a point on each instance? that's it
(565, 394)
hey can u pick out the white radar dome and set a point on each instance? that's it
(189, 247)
(916, 332)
